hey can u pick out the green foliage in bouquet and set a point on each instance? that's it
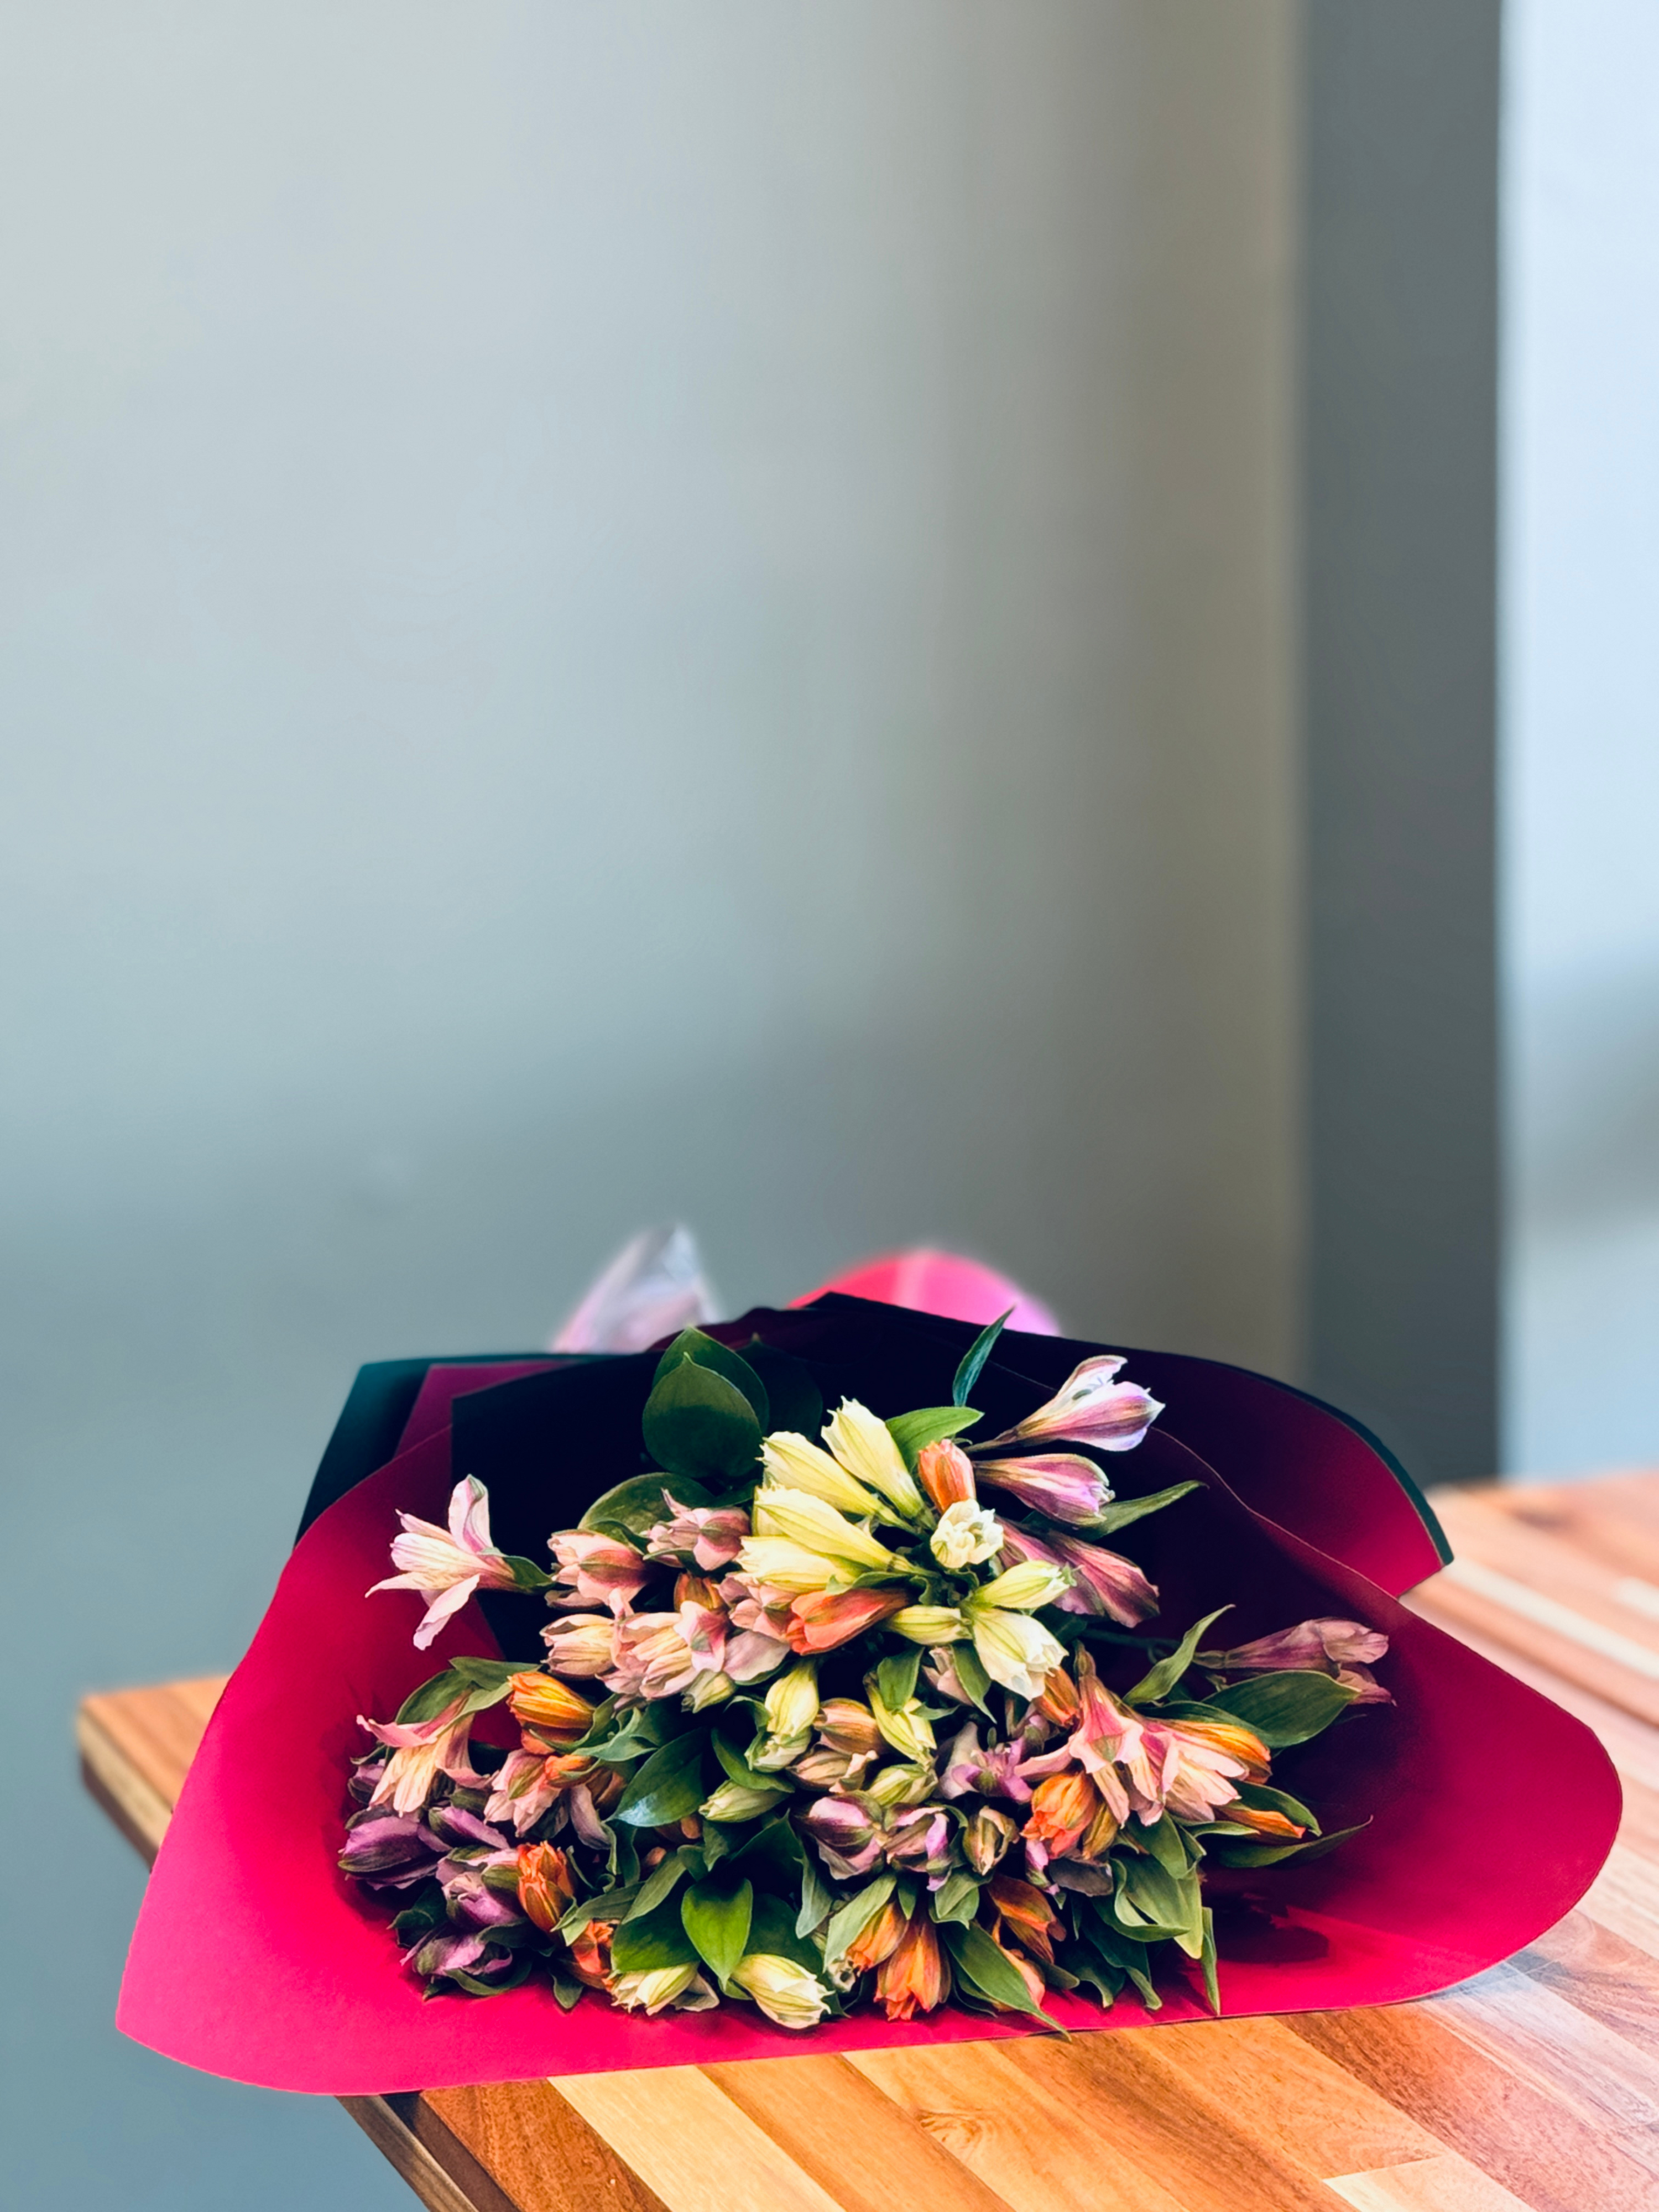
(842, 1733)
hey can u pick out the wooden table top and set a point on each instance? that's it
(1535, 2086)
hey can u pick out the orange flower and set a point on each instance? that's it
(1100, 1835)
(820, 1620)
(1059, 1701)
(1062, 1806)
(1199, 1762)
(543, 1702)
(915, 1977)
(1027, 1912)
(878, 1940)
(698, 1590)
(1027, 1972)
(545, 1890)
(946, 1474)
(590, 1952)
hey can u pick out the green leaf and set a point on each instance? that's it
(817, 1899)
(637, 1504)
(609, 1904)
(971, 1672)
(699, 1424)
(1207, 1960)
(1170, 1902)
(773, 1931)
(929, 1425)
(622, 1859)
(850, 1920)
(987, 1969)
(738, 1769)
(1167, 1845)
(717, 1918)
(956, 1897)
(640, 1946)
(975, 1358)
(1159, 1680)
(426, 1703)
(1127, 1957)
(719, 1359)
(1228, 1853)
(1122, 1511)
(662, 1881)
(1285, 1709)
(668, 1786)
(796, 1401)
(772, 1859)
(896, 1678)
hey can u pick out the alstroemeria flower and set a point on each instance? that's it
(913, 1977)
(653, 1991)
(820, 1620)
(865, 1448)
(521, 1789)
(755, 1605)
(1341, 1648)
(905, 1727)
(1200, 1761)
(659, 1655)
(800, 1518)
(1014, 1649)
(790, 1462)
(1104, 1581)
(966, 1535)
(1113, 1744)
(919, 1841)
(709, 1536)
(1064, 1486)
(946, 1474)
(447, 1565)
(847, 1839)
(597, 1570)
(546, 1892)
(582, 1644)
(551, 1707)
(446, 1951)
(929, 1624)
(1021, 1588)
(590, 1952)
(986, 1839)
(1027, 1915)
(1062, 1808)
(784, 1992)
(878, 1940)
(1090, 1408)
(999, 1770)
(390, 1850)
(421, 1751)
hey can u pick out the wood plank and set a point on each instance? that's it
(852, 2140)
(1601, 1974)
(691, 2145)
(1622, 1897)
(1445, 2183)
(1521, 2136)
(1018, 2137)
(531, 2146)
(388, 2127)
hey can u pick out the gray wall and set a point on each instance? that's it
(1581, 811)
(1399, 322)
(607, 614)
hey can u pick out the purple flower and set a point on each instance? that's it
(1105, 1581)
(390, 1850)
(1063, 1485)
(847, 1837)
(1090, 1408)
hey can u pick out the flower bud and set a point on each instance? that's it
(552, 1707)
(698, 1590)
(946, 1474)
(580, 1644)
(846, 1725)
(590, 1952)
(736, 1801)
(902, 1785)
(905, 1727)
(791, 1702)
(841, 1822)
(654, 1991)
(707, 1690)
(915, 1977)
(877, 1940)
(784, 1992)
(545, 1889)
(986, 1839)
(864, 1446)
(929, 1624)
(1023, 1588)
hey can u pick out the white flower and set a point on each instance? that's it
(793, 1463)
(1024, 1587)
(447, 1566)
(966, 1535)
(1016, 1650)
(784, 1992)
(801, 1518)
(682, 1987)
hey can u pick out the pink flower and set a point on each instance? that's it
(819, 1620)
(447, 1566)
(1200, 1761)
(525, 1784)
(1090, 1408)
(757, 1604)
(421, 1751)
(1106, 1583)
(659, 1655)
(845, 1836)
(919, 1841)
(1325, 1646)
(1001, 1769)
(709, 1536)
(582, 1644)
(1109, 1742)
(946, 1474)
(597, 1570)
(1063, 1485)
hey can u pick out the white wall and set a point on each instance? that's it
(1581, 779)
(606, 613)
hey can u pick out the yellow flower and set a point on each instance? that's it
(1015, 1650)
(801, 1518)
(793, 1463)
(785, 1566)
(792, 1703)
(929, 1624)
(905, 1727)
(1023, 1588)
(865, 1448)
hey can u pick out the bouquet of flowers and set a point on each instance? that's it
(819, 1724)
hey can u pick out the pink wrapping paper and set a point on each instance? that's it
(1490, 1809)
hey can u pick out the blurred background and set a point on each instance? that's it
(1024, 629)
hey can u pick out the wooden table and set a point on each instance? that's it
(1536, 2085)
